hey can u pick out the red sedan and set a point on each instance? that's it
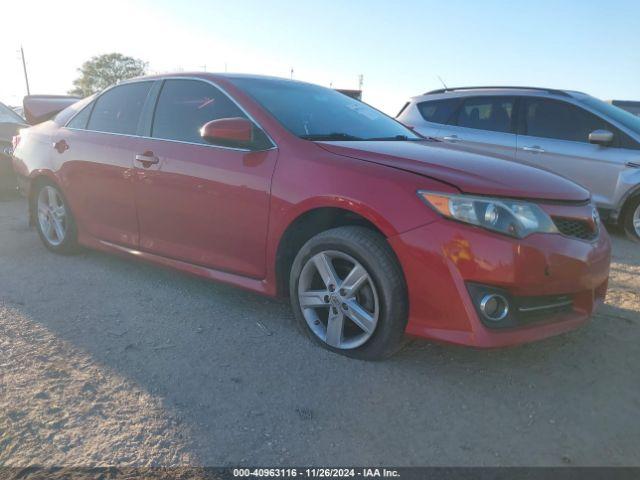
(289, 188)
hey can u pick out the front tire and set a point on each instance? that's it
(348, 293)
(53, 219)
(631, 218)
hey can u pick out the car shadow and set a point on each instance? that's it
(233, 371)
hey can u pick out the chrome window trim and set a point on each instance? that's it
(162, 79)
(143, 137)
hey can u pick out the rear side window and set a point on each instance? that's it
(118, 110)
(549, 118)
(493, 114)
(184, 106)
(438, 111)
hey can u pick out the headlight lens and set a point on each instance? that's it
(510, 217)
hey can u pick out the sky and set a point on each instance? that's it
(399, 47)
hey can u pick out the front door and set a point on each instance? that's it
(555, 136)
(200, 203)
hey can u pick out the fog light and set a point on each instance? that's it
(494, 307)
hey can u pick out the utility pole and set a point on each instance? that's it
(24, 68)
(291, 73)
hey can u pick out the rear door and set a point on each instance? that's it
(484, 125)
(428, 117)
(98, 148)
(201, 203)
(554, 135)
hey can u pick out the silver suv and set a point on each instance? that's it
(570, 133)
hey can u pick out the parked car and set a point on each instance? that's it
(284, 187)
(570, 133)
(10, 123)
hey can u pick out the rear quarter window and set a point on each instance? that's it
(438, 111)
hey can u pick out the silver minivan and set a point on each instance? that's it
(569, 133)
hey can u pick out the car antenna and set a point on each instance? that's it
(442, 81)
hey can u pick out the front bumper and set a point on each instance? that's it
(443, 259)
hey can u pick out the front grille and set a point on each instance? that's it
(575, 228)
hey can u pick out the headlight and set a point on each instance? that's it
(510, 217)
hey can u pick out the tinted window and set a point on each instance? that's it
(80, 120)
(560, 120)
(118, 110)
(185, 106)
(486, 113)
(313, 112)
(438, 111)
(629, 120)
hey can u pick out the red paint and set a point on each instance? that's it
(221, 213)
(229, 129)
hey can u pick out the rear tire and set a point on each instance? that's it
(631, 218)
(53, 219)
(348, 293)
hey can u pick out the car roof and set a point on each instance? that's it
(496, 90)
(211, 76)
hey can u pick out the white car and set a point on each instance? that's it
(569, 133)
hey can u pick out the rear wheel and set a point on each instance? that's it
(348, 293)
(631, 218)
(53, 219)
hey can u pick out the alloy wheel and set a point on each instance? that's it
(52, 215)
(636, 221)
(338, 299)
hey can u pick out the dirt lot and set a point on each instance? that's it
(108, 361)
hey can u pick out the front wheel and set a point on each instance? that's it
(348, 293)
(54, 221)
(631, 218)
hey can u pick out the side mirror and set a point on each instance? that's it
(228, 132)
(601, 137)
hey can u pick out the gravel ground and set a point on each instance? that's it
(106, 361)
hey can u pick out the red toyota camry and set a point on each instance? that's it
(288, 188)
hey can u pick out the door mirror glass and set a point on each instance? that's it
(229, 132)
(601, 137)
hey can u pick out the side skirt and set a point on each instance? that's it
(257, 286)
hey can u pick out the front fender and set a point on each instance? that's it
(628, 186)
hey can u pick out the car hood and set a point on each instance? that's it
(469, 172)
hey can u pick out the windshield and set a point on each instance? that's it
(629, 120)
(9, 116)
(318, 113)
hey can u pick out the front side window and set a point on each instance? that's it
(629, 120)
(486, 113)
(184, 106)
(118, 110)
(312, 112)
(438, 111)
(560, 120)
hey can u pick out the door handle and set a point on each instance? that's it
(533, 149)
(61, 146)
(147, 159)
(451, 138)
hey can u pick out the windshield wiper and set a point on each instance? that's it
(330, 136)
